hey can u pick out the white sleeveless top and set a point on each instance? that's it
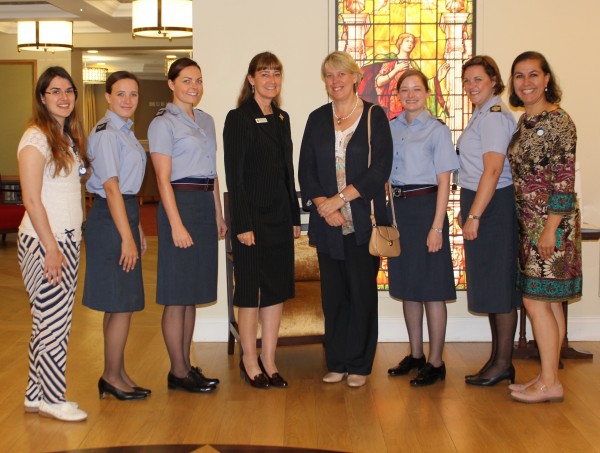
(61, 195)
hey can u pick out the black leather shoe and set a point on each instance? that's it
(146, 392)
(188, 383)
(205, 380)
(482, 370)
(276, 379)
(260, 381)
(509, 374)
(429, 375)
(407, 364)
(104, 388)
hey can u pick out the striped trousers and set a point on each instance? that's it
(51, 311)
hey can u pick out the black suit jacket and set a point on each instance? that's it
(252, 168)
(317, 174)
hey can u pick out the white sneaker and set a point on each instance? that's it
(32, 407)
(62, 411)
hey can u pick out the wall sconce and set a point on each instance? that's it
(161, 18)
(94, 76)
(169, 60)
(53, 36)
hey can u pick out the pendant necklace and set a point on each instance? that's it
(339, 120)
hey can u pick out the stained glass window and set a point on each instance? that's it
(386, 37)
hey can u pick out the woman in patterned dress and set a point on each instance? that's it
(542, 157)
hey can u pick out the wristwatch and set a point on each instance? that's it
(437, 230)
(474, 217)
(343, 197)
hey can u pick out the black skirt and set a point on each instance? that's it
(417, 275)
(188, 276)
(491, 259)
(108, 287)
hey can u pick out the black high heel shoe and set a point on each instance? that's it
(509, 374)
(146, 392)
(276, 379)
(104, 388)
(260, 381)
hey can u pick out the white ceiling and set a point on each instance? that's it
(101, 17)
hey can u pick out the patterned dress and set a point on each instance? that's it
(542, 158)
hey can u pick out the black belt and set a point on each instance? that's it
(203, 184)
(412, 190)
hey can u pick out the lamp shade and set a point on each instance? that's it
(92, 76)
(44, 35)
(161, 18)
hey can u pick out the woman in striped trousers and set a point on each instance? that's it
(52, 159)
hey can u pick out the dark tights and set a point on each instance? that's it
(503, 327)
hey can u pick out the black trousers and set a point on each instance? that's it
(349, 295)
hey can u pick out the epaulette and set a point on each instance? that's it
(496, 108)
(101, 127)
(161, 112)
(392, 119)
(441, 121)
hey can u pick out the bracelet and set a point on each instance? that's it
(343, 197)
(474, 217)
(437, 230)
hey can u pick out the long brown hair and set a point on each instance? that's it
(264, 60)
(57, 136)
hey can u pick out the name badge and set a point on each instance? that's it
(261, 120)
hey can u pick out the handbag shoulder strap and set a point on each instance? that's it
(387, 189)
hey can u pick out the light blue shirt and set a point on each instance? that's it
(191, 144)
(490, 129)
(115, 152)
(423, 149)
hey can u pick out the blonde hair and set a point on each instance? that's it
(341, 60)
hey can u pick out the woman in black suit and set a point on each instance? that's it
(265, 216)
(337, 186)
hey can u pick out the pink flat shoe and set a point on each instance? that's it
(543, 394)
(521, 387)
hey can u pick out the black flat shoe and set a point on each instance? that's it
(146, 392)
(204, 380)
(188, 383)
(105, 388)
(276, 379)
(407, 364)
(260, 381)
(429, 375)
(509, 374)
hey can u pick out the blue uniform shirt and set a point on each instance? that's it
(423, 149)
(115, 152)
(192, 145)
(490, 129)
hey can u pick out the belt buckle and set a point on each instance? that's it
(397, 192)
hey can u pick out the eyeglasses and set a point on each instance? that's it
(58, 92)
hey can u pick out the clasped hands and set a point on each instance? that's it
(329, 209)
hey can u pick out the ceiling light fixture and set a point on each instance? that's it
(161, 18)
(45, 35)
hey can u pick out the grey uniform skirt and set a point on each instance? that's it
(491, 259)
(417, 275)
(108, 287)
(188, 276)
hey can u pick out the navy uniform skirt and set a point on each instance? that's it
(491, 259)
(188, 276)
(417, 275)
(108, 287)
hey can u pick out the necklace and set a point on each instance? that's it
(339, 120)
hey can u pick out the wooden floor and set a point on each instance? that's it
(386, 415)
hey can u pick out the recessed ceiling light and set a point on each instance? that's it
(92, 51)
(171, 56)
(101, 63)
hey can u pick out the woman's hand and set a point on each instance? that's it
(434, 241)
(547, 243)
(247, 238)
(129, 254)
(221, 227)
(53, 263)
(336, 219)
(297, 230)
(330, 205)
(143, 241)
(470, 229)
(181, 237)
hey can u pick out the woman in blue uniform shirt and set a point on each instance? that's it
(190, 222)
(489, 221)
(422, 276)
(114, 237)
